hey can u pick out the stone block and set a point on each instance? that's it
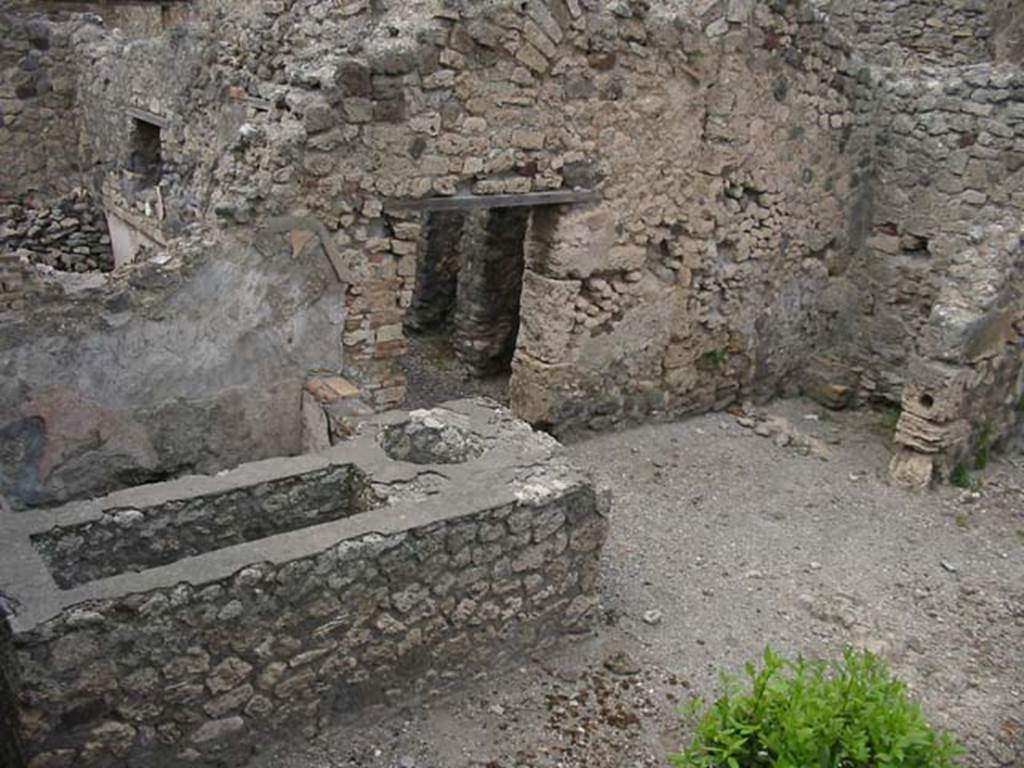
(547, 318)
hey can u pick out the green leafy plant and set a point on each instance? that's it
(807, 714)
(715, 357)
(983, 449)
(889, 417)
(960, 476)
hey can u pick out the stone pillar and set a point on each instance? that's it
(437, 273)
(560, 243)
(490, 284)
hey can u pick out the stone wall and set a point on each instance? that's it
(67, 233)
(183, 363)
(595, 111)
(39, 117)
(934, 315)
(12, 282)
(911, 33)
(737, 154)
(128, 539)
(947, 165)
(160, 84)
(205, 660)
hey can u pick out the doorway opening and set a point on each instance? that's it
(146, 152)
(463, 322)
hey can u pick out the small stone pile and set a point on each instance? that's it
(70, 234)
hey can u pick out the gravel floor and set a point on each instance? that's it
(434, 374)
(721, 542)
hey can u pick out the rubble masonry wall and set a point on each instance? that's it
(39, 116)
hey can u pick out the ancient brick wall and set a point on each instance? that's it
(746, 183)
(965, 379)
(947, 165)
(716, 146)
(153, 91)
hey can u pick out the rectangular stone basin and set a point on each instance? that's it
(137, 538)
(194, 622)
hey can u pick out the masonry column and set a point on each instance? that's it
(437, 272)
(489, 287)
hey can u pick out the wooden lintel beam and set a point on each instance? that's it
(472, 202)
(148, 117)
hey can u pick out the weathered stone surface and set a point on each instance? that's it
(913, 32)
(315, 430)
(910, 469)
(431, 437)
(199, 377)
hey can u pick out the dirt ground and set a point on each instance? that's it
(721, 542)
(434, 374)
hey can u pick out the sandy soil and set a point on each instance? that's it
(721, 542)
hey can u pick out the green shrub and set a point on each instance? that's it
(960, 476)
(715, 358)
(890, 417)
(983, 450)
(803, 714)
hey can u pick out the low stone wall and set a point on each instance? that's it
(68, 234)
(203, 660)
(12, 281)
